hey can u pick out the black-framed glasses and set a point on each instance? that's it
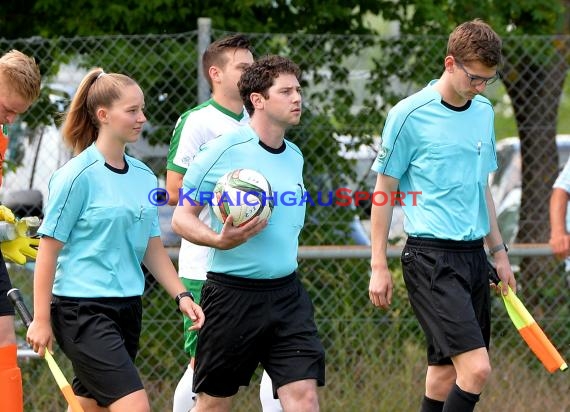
(476, 81)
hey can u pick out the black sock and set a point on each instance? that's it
(431, 405)
(460, 401)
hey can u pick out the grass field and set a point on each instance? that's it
(375, 359)
(370, 385)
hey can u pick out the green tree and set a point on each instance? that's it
(51, 18)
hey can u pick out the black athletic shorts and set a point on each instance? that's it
(6, 308)
(249, 322)
(448, 288)
(100, 336)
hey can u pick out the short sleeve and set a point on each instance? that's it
(185, 144)
(66, 200)
(563, 179)
(394, 152)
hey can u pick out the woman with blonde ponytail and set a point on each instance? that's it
(99, 226)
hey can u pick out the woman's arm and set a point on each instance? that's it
(158, 262)
(39, 334)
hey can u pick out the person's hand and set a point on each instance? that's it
(6, 215)
(40, 337)
(505, 273)
(19, 249)
(193, 311)
(232, 236)
(380, 288)
(560, 244)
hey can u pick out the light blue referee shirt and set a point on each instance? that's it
(446, 154)
(104, 218)
(272, 253)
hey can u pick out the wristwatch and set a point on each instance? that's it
(498, 248)
(183, 295)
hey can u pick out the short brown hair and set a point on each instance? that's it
(475, 40)
(215, 53)
(22, 73)
(261, 75)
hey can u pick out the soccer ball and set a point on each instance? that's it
(244, 194)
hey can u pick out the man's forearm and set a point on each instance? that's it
(189, 226)
(558, 208)
(380, 220)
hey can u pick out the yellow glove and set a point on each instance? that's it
(16, 250)
(6, 214)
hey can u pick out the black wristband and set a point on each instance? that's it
(498, 248)
(183, 295)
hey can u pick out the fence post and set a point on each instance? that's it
(204, 39)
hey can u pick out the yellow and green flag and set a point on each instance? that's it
(532, 334)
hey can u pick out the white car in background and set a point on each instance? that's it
(506, 182)
(363, 156)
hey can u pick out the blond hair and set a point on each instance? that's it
(22, 74)
(97, 89)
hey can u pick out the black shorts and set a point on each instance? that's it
(100, 336)
(6, 308)
(249, 322)
(448, 288)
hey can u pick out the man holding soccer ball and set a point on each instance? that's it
(223, 62)
(256, 308)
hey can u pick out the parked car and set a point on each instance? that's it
(506, 182)
(363, 156)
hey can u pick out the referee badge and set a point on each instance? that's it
(382, 153)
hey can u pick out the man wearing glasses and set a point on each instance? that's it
(440, 142)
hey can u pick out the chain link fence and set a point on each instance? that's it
(375, 359)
